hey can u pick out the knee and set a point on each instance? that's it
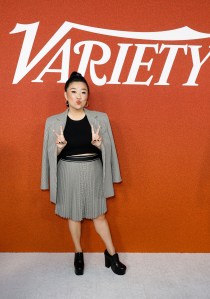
(70, 221)
(99, 219)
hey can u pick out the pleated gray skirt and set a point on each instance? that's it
(80, 190)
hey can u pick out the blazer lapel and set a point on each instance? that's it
(92, 117)
(61, 119)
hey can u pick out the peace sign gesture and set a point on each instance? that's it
(60, 141)
(96, 138)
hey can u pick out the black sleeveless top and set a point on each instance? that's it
(78, 136)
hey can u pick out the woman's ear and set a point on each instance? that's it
(65, 96)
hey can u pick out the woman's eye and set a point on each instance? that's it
(73, 91)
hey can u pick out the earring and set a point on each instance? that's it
(67, 104)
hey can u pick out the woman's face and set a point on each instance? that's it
(77, 95)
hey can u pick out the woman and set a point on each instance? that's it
(80, 161)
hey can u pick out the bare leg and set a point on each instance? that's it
(102, 228)
(75, 230)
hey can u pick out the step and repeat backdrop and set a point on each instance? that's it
(148, 67)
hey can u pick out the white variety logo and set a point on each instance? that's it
(181, 34)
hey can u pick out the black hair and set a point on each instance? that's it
(75, 77)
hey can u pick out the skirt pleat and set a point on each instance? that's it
(80, 190)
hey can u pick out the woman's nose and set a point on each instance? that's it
(78, 95)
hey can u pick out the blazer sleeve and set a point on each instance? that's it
(45, 160)
(116, 177)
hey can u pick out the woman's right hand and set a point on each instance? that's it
(60, 141)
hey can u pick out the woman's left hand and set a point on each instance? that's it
(96, 138)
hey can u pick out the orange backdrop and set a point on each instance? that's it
(161, 132)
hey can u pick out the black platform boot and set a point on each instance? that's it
(78, 263)
(114, 262)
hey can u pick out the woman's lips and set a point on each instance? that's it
(78, 102)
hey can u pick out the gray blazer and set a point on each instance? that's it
(111, 171)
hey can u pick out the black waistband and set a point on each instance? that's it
(81, 158)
